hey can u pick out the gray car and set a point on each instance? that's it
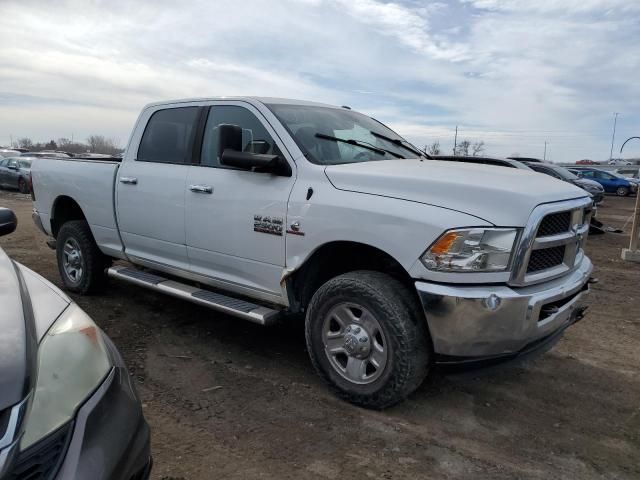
(68, 408)
(15, 172)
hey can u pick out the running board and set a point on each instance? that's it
(215, 301)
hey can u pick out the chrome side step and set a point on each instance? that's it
(216, 301)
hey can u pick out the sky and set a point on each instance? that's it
(511, 73)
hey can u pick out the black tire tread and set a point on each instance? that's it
(413, 352)
(95, 261)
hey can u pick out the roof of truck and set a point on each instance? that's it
(250, 99)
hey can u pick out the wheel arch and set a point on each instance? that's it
(64, 209)
(336, 258)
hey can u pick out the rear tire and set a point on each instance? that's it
(368, 339)
(622, 191)
(23, 187)
(80, 262)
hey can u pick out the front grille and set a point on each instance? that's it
(42, 460)
(554, 224)
(545, 258)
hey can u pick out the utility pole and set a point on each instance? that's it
(455, 142)
(613, 135)
(11, 139)
(545, 150)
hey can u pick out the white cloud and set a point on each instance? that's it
(513, 73)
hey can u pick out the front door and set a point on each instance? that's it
(151, 189)
(235, 219)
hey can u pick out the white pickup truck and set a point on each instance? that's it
(259, 206)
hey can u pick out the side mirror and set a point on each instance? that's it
(231, 154)
(8, 221)
(256, 162)
(12, 167)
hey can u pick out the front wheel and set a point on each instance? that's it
(80, 261)
(23, 187)
(622, 191)
(366, 338)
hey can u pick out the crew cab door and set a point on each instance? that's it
(150, 187)
(235, 219)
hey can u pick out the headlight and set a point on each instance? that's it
(72, 362)
(472, 250)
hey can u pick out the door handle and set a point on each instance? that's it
(201, 189)
(129, 180)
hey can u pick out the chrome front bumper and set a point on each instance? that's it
(477, 322)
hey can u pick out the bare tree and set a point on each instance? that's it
(25, 142)
(477, 148)
(100, 144)
(433, 149)
(462, 149)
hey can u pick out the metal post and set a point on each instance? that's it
(545, 151)
(613, 135)
(455, 142)
(632, 254)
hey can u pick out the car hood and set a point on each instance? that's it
(30, 305)
(589, 184)
(499, 195)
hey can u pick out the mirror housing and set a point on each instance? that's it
(12, 167)
(8, 221)
(231, 154)
(256, 162)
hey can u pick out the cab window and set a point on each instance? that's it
(168, 136)
(255, 138)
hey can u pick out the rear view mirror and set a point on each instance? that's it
(12, 167)
(8, 221)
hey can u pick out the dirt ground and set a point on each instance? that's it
(229, 399)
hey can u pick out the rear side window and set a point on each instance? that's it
(168, 136)
(255, 138)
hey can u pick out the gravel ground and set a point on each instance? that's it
(229, 399)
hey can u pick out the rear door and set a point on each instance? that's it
(150, 188)
(235, 219)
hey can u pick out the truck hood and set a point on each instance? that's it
(499, 195)
(30, 305)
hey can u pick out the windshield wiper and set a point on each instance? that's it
(400, 143)
(351, 141)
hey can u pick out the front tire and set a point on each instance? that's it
(622, 191)
(23, 187)
(80, 262)
(367, 339)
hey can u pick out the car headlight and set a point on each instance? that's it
(72, 362)
(472, 250)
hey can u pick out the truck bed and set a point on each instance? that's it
(87, 182)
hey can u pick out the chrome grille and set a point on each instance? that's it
(552, 243)
(545, 258)
(555, 223)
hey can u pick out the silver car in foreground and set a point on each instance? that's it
(68, 407)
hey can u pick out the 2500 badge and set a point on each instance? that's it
(266, 224)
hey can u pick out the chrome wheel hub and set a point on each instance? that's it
(72, 261)
(354, 343)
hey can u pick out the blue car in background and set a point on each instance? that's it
(610, 182)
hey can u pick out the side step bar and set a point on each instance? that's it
(216, 301)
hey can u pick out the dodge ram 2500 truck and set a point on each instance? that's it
(258, 206)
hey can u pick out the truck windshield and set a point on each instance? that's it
(331, 136)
